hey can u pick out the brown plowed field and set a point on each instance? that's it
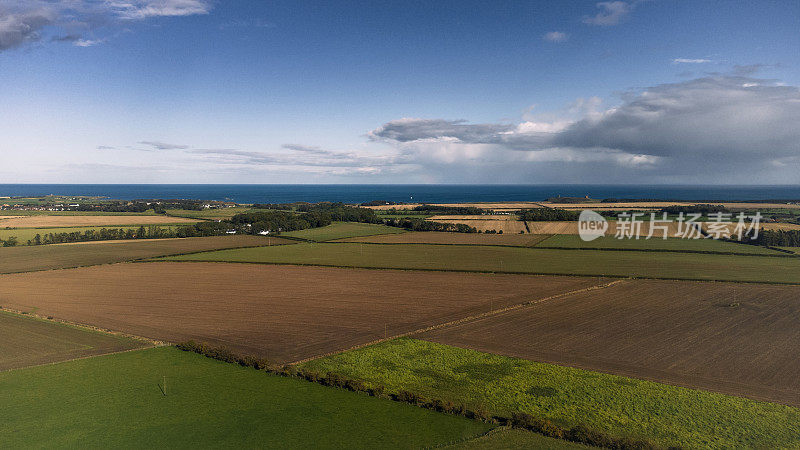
(28, 341)
(283, 313)
(737, 339)
(425, 237)
(88, 221)
(60, 256)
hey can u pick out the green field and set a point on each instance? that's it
(339, 230)
(25, 234)
(212, 213)
(62, 256)
(619, 406)
(671, 244)
(689, 266)
(116, 401)
(791, 249)
(27, 341)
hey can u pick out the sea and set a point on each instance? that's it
(425, 193)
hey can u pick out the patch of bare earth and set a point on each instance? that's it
(737, 339)
(283, 313)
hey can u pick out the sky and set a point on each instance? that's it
(499, 92)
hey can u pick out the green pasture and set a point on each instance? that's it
(165, 398)
(689, 266)
(618, 406)
(339, 230)
(211, 213)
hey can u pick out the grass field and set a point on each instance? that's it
(671, 244)
(282, 313)
(25, 234)
(339, 230)
(40, 221)
(60, 256)
(666, 331)
(215, 213)
(521, 260)
(116, 401)
(27, 341)
(619, 406)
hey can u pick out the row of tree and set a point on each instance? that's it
(547, 215)
(417, 224)
(777, 238)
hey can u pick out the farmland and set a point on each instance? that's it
(42, 221)
(520, 260)
(207, 214)
(659, 330)
(25, 234)
(506, 224)
(667, 415)
(515, 438)
(27, 341)
(424, 237)
(338, 230)
(116, 401)
(510, 225)
(60, 256)
(670, 244)
(269, 311)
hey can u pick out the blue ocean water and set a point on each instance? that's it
(430, 193)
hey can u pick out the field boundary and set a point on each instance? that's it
(662, 250)
(536, 245)
(463, 320)
(144, 259)
(83, 326)
(157, 259)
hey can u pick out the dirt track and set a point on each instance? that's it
(283, 313)
(736, 339)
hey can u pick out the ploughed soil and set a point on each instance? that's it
(282, 313)
(27, 341)
(732, 338)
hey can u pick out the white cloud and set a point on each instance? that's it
(87, 42)
(690, 61)
(715, 129)
(25, 21)
(611, 13)
(163, 145)
(141, 9)
(556, 36)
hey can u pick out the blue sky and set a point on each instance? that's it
(141, 91)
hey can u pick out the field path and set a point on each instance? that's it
(463, 320)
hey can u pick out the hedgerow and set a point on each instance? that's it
(579, 433)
